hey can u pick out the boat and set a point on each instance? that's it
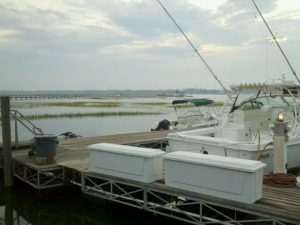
(246, 131)
(191, 114)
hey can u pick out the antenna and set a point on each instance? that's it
(196, 50)
(277, 43)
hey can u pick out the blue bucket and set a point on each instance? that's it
(45, 145)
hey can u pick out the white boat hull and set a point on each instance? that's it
(193, 142)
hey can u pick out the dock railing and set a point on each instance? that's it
(19, 117)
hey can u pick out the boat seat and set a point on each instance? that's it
(236, 131)
(257, 118)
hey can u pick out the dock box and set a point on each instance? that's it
(134, 163)
(229, 178)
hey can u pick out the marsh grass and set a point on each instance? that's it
(218, 104)
(91, 114)
(152, 103)
(84, 104)
(215, 104)
(68, 104)
(186, 106)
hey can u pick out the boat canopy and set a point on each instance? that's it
(196, 102)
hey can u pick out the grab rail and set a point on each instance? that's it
(19, 117)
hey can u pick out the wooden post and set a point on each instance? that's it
(9, 210)
(6, 139)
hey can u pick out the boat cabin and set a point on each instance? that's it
(259, 111)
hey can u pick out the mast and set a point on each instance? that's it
(277, 43)
(196, 50)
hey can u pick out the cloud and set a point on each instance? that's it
(277, 10)
(4, 32)
(59, 16)
(226, 19)
(7, 36)
(128, 1)
(283, 15)
(211, 5)
(221, 49)
(140, 44)
(117, 42)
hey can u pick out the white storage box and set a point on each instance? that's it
(230, 178)
(139, 164)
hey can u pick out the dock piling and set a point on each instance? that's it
(6, 139)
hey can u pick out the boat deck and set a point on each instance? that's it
(279, 204)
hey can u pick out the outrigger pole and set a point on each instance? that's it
(196, 50)
(275, 39)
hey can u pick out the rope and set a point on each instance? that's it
(280, 179)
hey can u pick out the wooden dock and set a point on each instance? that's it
(278, 205)
(73, 154)
(73, 149)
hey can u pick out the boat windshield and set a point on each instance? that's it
(256, 96)
(257, 102)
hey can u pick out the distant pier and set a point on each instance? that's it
(46, 96)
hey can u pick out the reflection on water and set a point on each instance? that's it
(22, 206)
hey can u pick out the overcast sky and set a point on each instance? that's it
(132, 44)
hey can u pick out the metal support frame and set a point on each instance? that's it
(163, 202)
(39, 178)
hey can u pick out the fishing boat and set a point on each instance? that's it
(194, 113)
(191, 114)
(246, 131)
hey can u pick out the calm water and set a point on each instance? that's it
(93, 126)
(23, 206)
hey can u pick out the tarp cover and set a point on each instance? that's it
(196, 102)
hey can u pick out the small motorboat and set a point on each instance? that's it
(191, 113)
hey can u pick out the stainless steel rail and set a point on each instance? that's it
(19, 117)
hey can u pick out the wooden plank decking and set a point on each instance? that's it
(75, 149)
(73, 153)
